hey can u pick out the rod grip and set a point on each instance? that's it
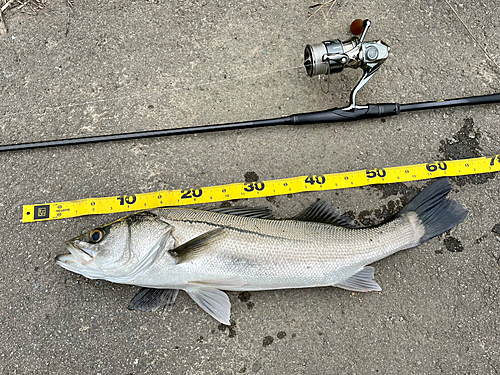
(383, 110)
(341, 115)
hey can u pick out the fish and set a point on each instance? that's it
(207, 252)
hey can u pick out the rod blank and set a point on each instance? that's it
(328, 116)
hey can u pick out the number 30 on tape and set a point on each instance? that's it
(212, 194)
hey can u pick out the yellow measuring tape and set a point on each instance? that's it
(211, 194)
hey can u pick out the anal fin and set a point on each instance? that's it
(361, 282)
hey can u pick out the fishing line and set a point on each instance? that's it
(144, 94)
(472, 35)
(220, 193)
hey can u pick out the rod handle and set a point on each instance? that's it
(342, 115)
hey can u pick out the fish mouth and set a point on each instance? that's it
(77, 253)
(79, 260)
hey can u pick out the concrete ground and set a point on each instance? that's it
(103, 67)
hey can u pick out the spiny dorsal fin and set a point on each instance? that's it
(321, 211)
(195, 247)
(255, 212)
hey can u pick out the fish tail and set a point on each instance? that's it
(436, 213)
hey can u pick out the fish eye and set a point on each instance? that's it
(96, 235)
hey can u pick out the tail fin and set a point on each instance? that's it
(437, 213)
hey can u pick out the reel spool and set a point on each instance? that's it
(332, 56)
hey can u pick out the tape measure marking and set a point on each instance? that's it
(220, 193)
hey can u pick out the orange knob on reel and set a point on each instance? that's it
(357, 27)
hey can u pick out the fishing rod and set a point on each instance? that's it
(325, 58)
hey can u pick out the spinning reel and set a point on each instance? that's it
(332, 56)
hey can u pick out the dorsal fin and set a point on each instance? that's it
(255, 212)
(196, 246)
(321, 211)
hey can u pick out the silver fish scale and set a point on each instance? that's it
(276, 254)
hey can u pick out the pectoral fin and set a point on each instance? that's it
(195, 247)
(150, 299)
(361, 281)
(213, 301)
